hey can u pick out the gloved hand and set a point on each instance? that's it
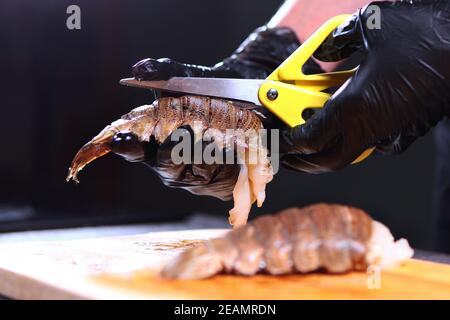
(261, 53)
(400, 91)
(216, 180)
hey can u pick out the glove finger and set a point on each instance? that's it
(316, 134)
(161, 69)
(343, 42)
(127, 145)
(342, 154)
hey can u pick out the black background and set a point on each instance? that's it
(60, 87)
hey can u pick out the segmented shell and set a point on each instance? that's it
(207, 117)
(330, 237)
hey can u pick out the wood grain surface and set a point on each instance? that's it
(127, 268)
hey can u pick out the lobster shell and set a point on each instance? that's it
(329, 237)
(207, 117)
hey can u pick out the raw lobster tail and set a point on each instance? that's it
(333, 238)
(165, 115)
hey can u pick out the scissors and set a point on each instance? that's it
(287, 92)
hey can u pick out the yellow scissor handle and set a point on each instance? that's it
(288, 92)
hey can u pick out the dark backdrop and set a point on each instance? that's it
(60, 87)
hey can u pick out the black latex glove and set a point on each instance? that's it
(401, 90)
(215, 180)
(261, 53)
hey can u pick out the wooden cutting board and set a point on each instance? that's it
(127, 267)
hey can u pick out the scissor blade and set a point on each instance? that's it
(233, 89)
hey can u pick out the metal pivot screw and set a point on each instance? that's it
(272, 94)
